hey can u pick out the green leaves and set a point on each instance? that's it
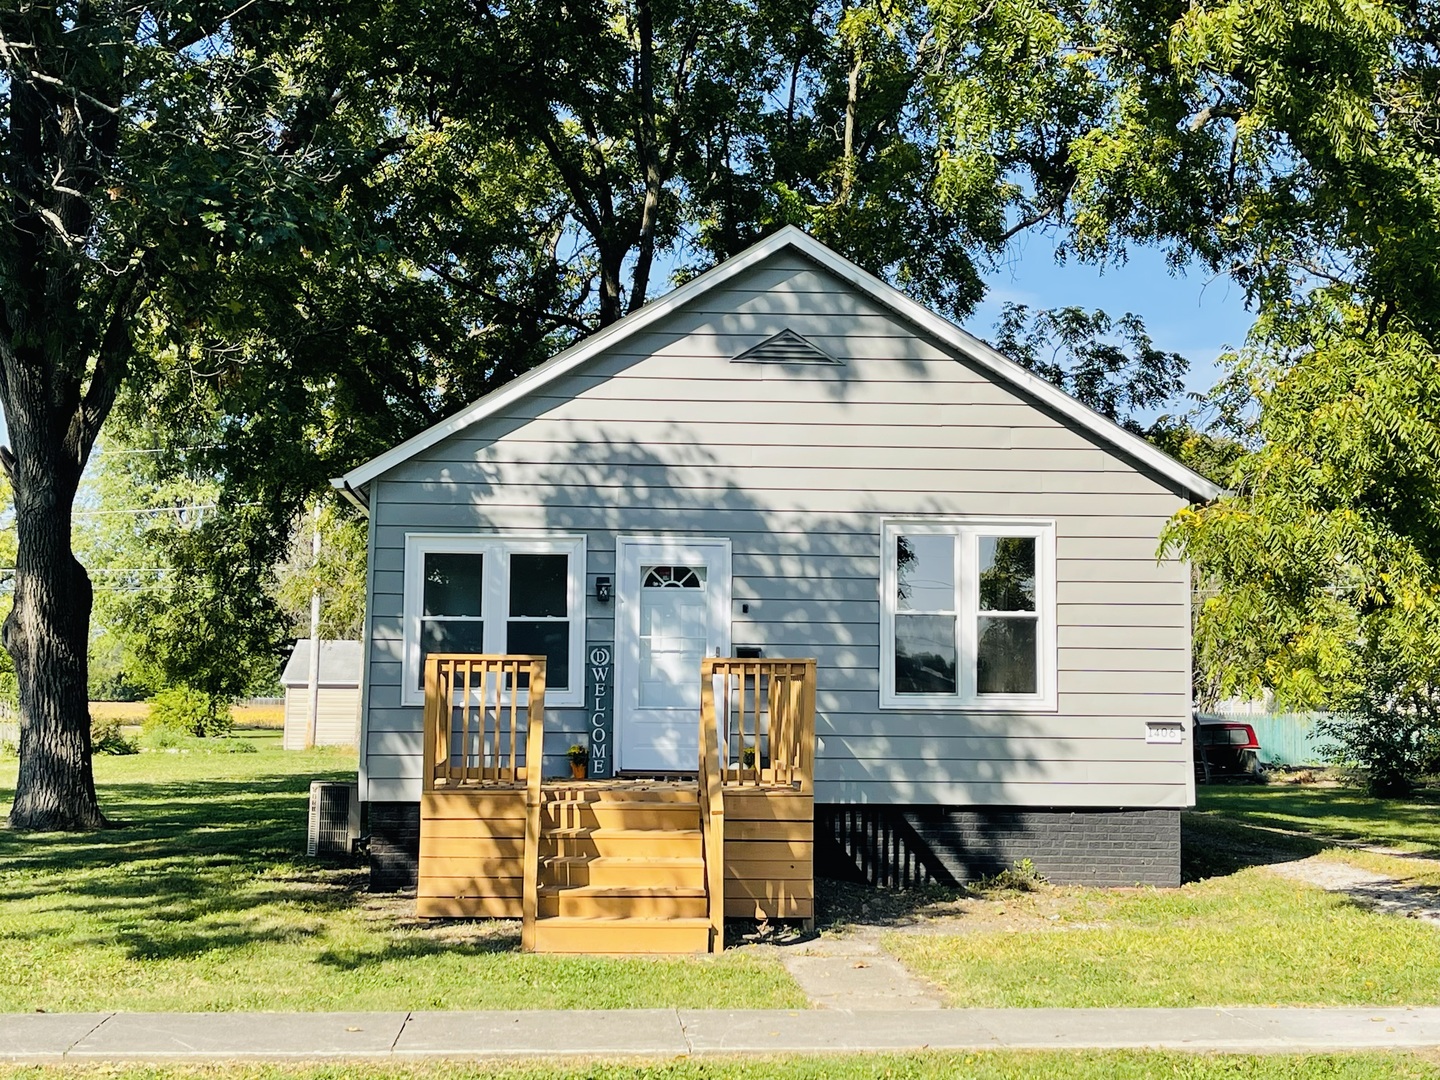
(1109, 364)
(1327, 559)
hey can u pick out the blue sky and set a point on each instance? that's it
(1190, 314)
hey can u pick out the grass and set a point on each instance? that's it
(267, 715)
(1335, 813)
(203, 900)
(1243, 937)
(1103, 1065)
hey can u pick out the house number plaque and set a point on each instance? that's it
(600, 708)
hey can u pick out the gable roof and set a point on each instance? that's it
(339, 664)
(1145, 456)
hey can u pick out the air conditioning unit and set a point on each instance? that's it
(334, 818)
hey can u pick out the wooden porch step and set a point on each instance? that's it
(619, 814)
(608, 902)
(622, 935)
(637, 843)
(619, 791)
(609, 871)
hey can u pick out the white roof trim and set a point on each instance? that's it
(1107, 431)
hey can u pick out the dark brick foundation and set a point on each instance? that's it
(910, 845)
(394, 845)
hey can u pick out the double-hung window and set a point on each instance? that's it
(968, 614)
(472, 594)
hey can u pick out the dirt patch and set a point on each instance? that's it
(1380, 892)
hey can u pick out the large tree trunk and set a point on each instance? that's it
(47, 634)
(54, 332)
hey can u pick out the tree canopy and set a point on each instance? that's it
(276, 238)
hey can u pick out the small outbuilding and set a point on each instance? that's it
(338, 720)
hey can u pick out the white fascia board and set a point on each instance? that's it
(563, 362)
(1107, 431)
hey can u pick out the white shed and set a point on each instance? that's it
(338, 723)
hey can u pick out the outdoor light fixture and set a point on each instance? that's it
(602, 589)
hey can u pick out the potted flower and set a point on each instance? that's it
(579, 756)
(747, 756)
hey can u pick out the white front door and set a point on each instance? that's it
(672, 611)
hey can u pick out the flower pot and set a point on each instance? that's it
(577, 770)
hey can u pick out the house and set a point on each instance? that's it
(338, 716)
(788, 458)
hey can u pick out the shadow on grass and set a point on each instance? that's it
(1334, 813)
(420, 948)
(1212, 846)
(184, 872)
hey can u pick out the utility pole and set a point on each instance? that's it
(312, 722)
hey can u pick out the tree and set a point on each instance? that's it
(1112, 365)
(1291, 146)
(543, 163)
(338, 576)
(144, 151)
(277, 237)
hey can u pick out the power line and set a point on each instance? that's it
(157, 450)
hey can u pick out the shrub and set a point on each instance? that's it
(1020, 876)
(174, 742)
(107, 738)
(1388, 732)
(182, 710)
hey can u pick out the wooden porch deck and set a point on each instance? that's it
(622, 865)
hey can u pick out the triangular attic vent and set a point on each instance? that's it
(786, 347)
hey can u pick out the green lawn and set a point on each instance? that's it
(1334, 813)
(1106, 1065)
(203, 900)
(1243, 937)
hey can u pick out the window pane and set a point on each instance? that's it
(539, 585)
(926, 565)
(1005, 660)
(925, 654)
(1007, 573)
(548, 639)
(448, 637)
(454, 583)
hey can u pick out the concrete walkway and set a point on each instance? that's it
(399, 1036)
(853, 972)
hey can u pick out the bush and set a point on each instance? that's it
(107, 738)
(1020, 876)
(1388, 732)
(173, 742)
(1387, 750)
(181, 710)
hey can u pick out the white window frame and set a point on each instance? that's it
(495, 602)
(967, 532)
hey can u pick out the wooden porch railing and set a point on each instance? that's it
(766, 721)
(472, 718)
(475, 699)
(767, 706)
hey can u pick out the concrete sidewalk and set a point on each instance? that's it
(399, 1036)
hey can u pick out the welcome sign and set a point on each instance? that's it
(600, 708)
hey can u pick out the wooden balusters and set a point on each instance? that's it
(476, 698)
(767, 707)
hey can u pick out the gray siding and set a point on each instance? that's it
(798, 466)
